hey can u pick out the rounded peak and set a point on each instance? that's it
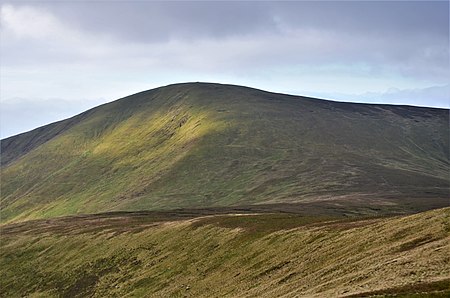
(206, 85)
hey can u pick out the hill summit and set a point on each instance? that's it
(199, 145)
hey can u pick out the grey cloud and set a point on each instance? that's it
(161, 21)
(369, 17)
(406, 35)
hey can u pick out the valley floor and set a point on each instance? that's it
(227, 255)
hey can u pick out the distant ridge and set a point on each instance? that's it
(197, 145)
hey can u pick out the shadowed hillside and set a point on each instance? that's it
(248, 255)
(209, 145)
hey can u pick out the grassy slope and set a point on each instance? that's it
(196, 145)
(265, 255)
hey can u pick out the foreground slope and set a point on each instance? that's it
(199, 145)
(259, 255)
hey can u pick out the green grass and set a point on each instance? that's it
(210, 145)
(170, 254)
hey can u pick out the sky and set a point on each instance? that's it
(59, 58)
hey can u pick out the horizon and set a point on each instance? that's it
(225, 84)
(62, 58)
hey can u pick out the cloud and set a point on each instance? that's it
(154, 21)
(105, 50)
(34, 36)
(285, 45)
(28, 22)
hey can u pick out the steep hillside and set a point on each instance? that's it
(259, 255)
(211, 145)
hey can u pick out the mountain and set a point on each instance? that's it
(199, 145)
(264, 255)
